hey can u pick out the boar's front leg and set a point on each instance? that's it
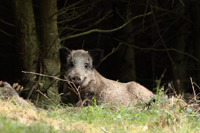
(69, 94)
(86, 99)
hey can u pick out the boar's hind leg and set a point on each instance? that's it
(140, 92)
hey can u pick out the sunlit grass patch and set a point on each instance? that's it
(160, 116)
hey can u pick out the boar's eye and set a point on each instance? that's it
(71, 64)
(86, 65)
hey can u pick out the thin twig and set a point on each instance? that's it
(170, 86)
(195, 99)
(120, 15)
(161, 77)
(172, 100)
(79, 95)
(172, 12)
(7, 23)
(168, 49)
(6, 33)
(145, 13)
(33, 88)
(37, 99)
(161, 38)
(192, 115)
(197, 110)
(182, 3)
(53, 78)
(113, 50)
(196, 85)
(46, 97)
(47, 76)
(72, 85)
(192, 105)
(104, 130)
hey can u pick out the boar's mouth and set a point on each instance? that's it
(78, 85)
(81, 87)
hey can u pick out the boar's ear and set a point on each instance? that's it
(64, 52)
(97, 55)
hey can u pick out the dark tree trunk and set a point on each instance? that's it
(33, 57)
(26, 38)
(196, 33)
(179, 43)
(126, 55)
(49, 59)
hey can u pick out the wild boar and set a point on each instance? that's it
(83, 83)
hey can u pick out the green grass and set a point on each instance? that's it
(160, 117)
(13, 126)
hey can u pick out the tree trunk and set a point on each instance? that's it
(49, 59)
(30, 52)
(196, 32)
(127, 57)
(126, 62)
(26, 38)
(179, 43)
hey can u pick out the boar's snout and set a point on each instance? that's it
(76, 79)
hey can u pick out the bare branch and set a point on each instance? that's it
(6, 23)
(168, 49)
(97, 22)
(113, 50)
(45, 76)
(103, 31)
(6, 33)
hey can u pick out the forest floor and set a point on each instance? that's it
(161, 116)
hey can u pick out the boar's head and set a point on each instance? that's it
(78, 66)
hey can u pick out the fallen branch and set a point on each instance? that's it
(72, 85)
(195, 99)
(47, 76)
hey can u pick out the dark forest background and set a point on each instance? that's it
(141, 39)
